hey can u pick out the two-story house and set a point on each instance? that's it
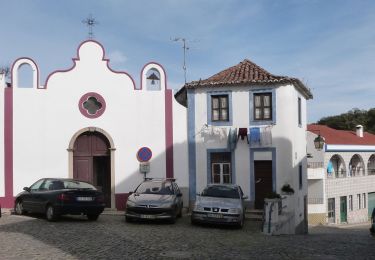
(247, 126)
(341, 176)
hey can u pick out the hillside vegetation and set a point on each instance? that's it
(348, 121)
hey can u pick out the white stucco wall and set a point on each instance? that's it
(180, 148)
(287, 136)
(45, 121)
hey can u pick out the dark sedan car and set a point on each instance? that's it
(56, 197)
(155, 199)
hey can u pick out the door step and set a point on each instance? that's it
(254, 214)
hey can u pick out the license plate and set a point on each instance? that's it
(84, 198)
(214, 215)
(148, 216)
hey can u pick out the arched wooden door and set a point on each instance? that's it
(92, 162)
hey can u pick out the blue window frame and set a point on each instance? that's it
(299, 112)
(219, 108)
(262, 107)
(220, 166)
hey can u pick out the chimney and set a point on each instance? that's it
(359, 130)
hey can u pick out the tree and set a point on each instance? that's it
(349, 120)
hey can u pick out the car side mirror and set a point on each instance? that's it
(179, 194)
(27, 189)
(245, 197)
(131, 192)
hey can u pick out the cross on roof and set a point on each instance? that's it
(90, 22)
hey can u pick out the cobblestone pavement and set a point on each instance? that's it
(30, 237)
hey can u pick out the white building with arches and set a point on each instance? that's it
(88, 122)
(341, 176)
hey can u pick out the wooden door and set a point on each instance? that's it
(263, 181)
(82, 168)
(91, 162)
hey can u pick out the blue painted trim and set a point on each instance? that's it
(251, 108)
(299, 113)
(209, 108)
(191, 144)
(232, 163)
(252, 175)
(349, 151)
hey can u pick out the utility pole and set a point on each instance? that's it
(185, 47)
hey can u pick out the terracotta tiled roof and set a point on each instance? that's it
(247, 73)
(333, 136)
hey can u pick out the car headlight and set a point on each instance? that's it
(234, 211)
(198, 207)
(130, 203)
(166, 205)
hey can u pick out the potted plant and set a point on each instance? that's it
(272, 195)
(287, 189)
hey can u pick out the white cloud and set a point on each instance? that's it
(117, 57)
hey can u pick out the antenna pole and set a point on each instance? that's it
(185, 47)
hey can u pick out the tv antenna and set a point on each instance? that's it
(90, 22)
(185, 47)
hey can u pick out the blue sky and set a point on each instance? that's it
(328, 44)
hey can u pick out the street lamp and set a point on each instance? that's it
(319, 142)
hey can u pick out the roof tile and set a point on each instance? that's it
(246, 72)
(333, 136)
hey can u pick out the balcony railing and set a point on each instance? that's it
(337, 174)
(371, 171)
(315, 200)
(314, 165)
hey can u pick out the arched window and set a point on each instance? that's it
(336, 167)
(356, 166)
(371, 165)
(25, 76)
(153, 79)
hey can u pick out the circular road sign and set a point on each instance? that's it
(144, 154)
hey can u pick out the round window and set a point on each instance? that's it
(92, 105)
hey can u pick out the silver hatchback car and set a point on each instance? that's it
(155, 199)
(220, 204)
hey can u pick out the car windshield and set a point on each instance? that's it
(221, 192)
(152, 187)
(71, 184)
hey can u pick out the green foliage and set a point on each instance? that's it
(287, 189)
(349, 120)
(272, 195)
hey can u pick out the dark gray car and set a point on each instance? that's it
(220, 204)
(155, 199)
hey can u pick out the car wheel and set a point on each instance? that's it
(179, 215)
(193, 221)
(50, 213)
(172, 220)
(92, 217)
(18, 209)
(241, 223)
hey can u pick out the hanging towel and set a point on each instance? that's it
(330, 168)
(255, 136)
(232, 139)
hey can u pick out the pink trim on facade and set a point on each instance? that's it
(152, 62)
(120, 200)
(7, 201)
(78, 58)
(37, 70)
(169, 132)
